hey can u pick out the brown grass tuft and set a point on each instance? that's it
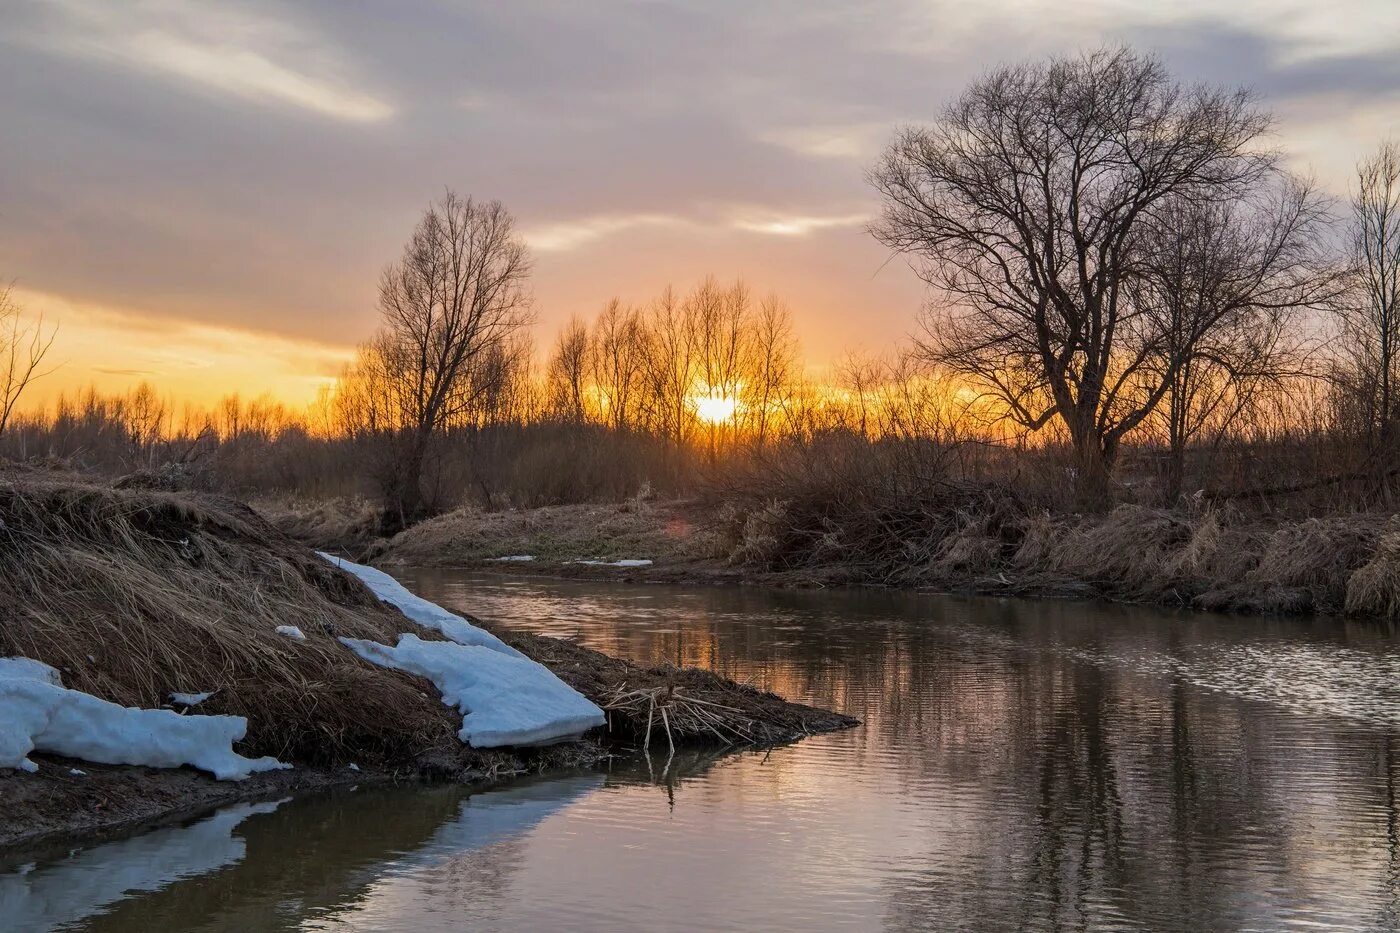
(1374, 589)
(135, 593)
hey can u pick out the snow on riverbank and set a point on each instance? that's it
(505, 698)
(426, 614)
(37, 713)
(630, 562)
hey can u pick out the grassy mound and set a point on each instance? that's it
(137, 593)
(632, 529)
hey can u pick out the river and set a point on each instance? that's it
(1022, 765)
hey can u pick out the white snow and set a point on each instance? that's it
(77, 772)
(426, 614)
(37, 713)
(291, 631)
(190, 699)
(514, 558)
(505, 699)
(616, 563)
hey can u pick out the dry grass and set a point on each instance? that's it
(136, 593)
(677, 714)
(632, 529)
(1374, 589)
(960, 537)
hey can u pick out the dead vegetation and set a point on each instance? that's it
(1204, 557)
(673, 705)
(633, 529)
(137, 593)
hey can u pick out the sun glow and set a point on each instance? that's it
(715, 409)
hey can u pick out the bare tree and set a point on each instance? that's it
(617, 361)
(1216, 297)
(568, 373)
(1369, 369)
(1027, 204)
(670, 368)
(450, 305)
(23, 348)
(773, 366)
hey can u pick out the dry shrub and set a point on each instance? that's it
(761, 536)
(971, 548)
(1126, 548)
(1039, 534)
(350, 526)
(1374, 589)
(1318, 554)
(137, 593)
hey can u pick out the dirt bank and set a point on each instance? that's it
(135, 594)
(968, 542)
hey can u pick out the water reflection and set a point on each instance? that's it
(278, 866)
(1039, 766)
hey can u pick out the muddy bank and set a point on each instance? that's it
(44, 813)
(56, 807)
(140, 596)
(1198, 557)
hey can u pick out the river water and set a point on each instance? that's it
(1022, 765)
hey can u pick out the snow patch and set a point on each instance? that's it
(190, 699)
(291, 631)
(504, 699)
(37, 713)
(427, 614)
(514, 558)
(630, 562)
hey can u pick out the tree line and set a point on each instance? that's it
(1125, 279)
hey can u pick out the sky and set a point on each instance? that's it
(202, 194)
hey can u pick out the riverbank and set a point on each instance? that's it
(195, 609)
(1200, 557)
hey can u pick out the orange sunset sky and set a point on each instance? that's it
(203, 194)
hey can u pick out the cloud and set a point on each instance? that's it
(855, 142)
(215, 48)
(570, 235)
(575, 234)
(796, 225)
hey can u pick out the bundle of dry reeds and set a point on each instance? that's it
(680, 715)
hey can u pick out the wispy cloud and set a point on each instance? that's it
(572, 234)
(796, 225)
(214, 48)
(855, 141)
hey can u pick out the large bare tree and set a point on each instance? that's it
(450, 307)
(1027, 206)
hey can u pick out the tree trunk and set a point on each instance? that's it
(1093, 467)
(404, 483)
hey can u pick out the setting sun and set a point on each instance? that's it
(716, 409)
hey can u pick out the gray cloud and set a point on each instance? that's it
(264, 162)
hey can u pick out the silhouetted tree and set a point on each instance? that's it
(450, 306)
(1027, 206)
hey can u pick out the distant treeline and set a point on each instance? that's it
(1131, 298)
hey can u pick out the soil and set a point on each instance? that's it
(45, 813)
